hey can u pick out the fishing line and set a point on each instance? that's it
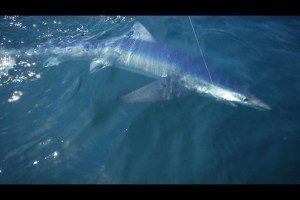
(200, 49)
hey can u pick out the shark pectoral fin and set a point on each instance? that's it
(52, 61)
(98, 64)
(160, 90)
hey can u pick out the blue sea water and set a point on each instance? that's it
(62, 124)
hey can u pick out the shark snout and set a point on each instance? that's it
(257, 103)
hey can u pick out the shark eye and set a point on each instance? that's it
(245, 99)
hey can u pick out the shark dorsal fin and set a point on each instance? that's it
(139, 32)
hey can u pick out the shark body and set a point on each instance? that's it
(176, 71)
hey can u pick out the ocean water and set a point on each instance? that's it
(62, 124)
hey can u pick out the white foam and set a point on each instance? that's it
(6, 63)
(15, 96)
(35, 162)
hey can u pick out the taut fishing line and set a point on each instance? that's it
(200, 49)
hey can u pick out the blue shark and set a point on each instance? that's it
(176, 72)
